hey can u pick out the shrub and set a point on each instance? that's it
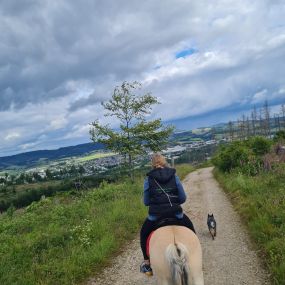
(259, 145)
(232, 156)
(252, 166)
(246, 156)
(10, 211)
(279, 136)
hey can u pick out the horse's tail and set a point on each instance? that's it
(177, 256)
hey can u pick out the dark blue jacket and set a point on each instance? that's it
(156, 198)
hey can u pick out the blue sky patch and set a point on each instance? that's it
(157, 67)
(184, 53)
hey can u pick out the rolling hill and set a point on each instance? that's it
(30, 158)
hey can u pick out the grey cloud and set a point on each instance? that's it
(47, 44)
(51, 52)
(220, 85)
(92, 99)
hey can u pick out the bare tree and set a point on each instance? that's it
(283, 115)
(243, 127)
(266, 113)
(253, 120)
(238, 130)
(213, 133)
(231, 130)
(277, 125)
(247, 127)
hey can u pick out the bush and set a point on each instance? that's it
(10, 211)
(279, 136)
(232, 156)
(246, 156)
(259, 145)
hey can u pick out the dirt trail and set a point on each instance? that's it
(228, 260)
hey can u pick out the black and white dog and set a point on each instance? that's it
(212, 225)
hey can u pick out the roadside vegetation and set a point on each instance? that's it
(66, 238)
(252, 172)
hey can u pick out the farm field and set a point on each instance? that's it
(94, 156)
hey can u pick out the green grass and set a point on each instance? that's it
(183, 169)
(261, 202)
(65, 239)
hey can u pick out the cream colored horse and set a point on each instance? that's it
(176, 256)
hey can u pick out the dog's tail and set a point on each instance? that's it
(177, 256)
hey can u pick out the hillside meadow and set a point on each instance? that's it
(66, 238)
(253, 175)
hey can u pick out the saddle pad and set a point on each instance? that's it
(147, 242)
(170, 221)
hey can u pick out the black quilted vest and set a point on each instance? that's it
(159, 201)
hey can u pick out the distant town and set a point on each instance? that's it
(90, 164)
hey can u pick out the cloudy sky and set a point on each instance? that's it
(206, 61)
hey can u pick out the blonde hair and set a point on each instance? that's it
(158, 160)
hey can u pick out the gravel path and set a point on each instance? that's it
(228, 260)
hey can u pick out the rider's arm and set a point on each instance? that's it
(181, 192)
(146, 198)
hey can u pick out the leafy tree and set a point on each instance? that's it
(36, 176)
(29, 178)
(279, 136)
(13, 178)
(81, 170)
(135, 135)
(21, 178)
(73, 169)
(48, 174)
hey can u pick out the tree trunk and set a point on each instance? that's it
(131, 169)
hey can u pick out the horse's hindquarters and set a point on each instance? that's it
(172, 245)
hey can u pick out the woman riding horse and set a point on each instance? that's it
(163, 193)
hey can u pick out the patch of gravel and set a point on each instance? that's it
(228, 260)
